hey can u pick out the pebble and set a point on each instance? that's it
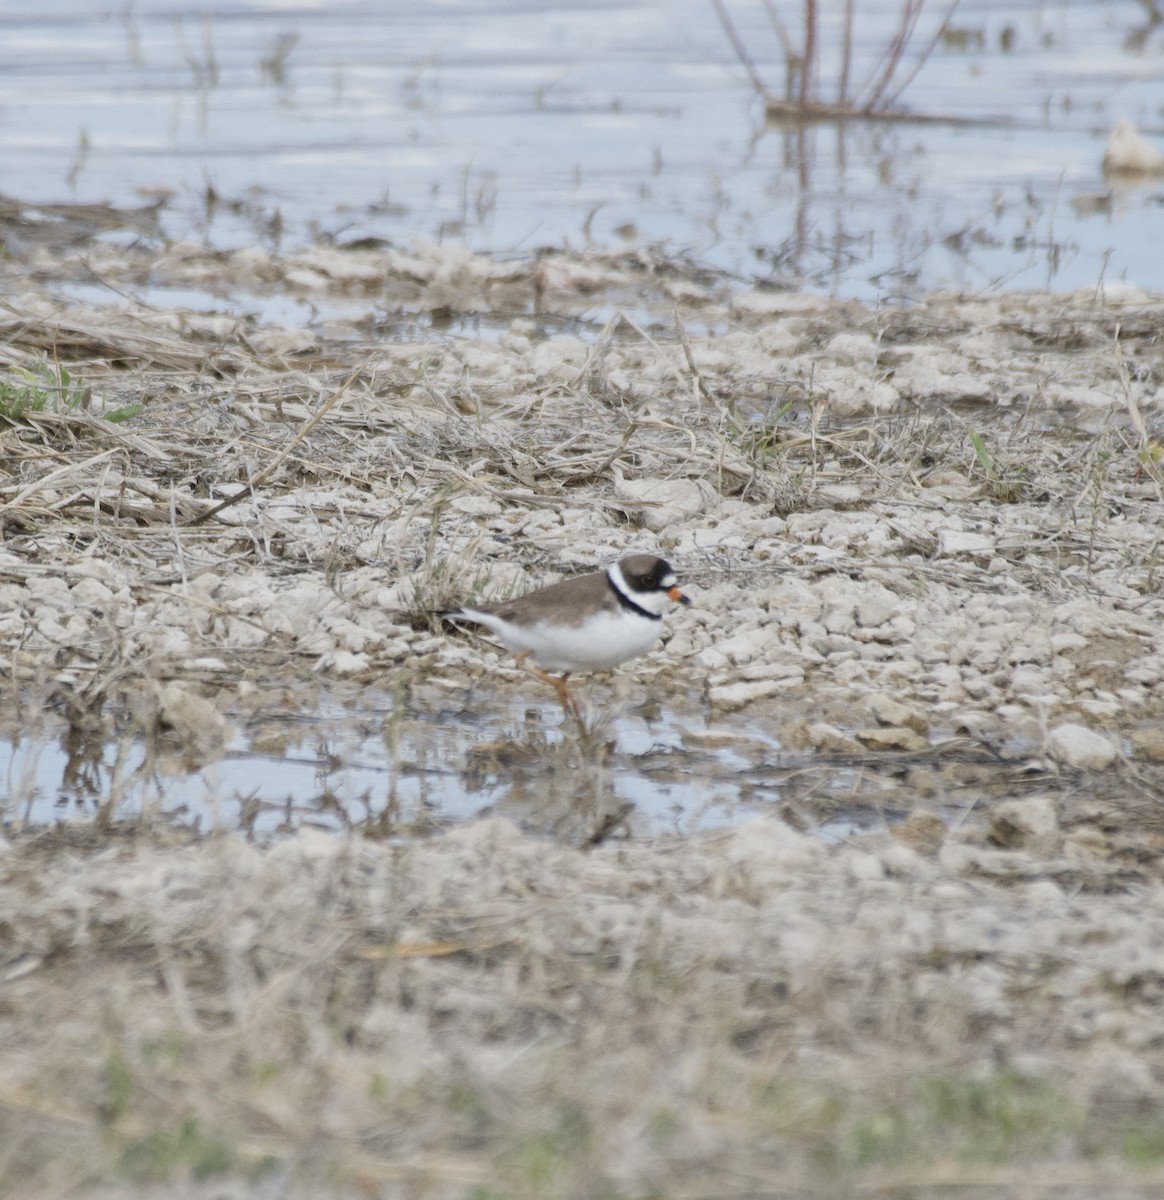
(1081, 748)
(745, 646)
(922, 832)
(343, 662)
(875, 606)
(662, 503)
(828, 738)
(1148, 743)
(1029, 824)
(954, 543)
(892, 738)
(888, 711)
(736, 695)
(790, 674)
(1128, 152)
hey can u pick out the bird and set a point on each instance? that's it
(592, 622)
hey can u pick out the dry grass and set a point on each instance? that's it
(362, 458)
(489, 1013)
(415, 438)
(495, 1012)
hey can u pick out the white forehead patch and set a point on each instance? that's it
(668, 580)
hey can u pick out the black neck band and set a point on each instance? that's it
(630, 605)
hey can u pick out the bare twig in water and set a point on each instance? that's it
(808, 62)
(741, 50)
(878, 96)
(891, 100)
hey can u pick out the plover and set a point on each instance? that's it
(589, 623)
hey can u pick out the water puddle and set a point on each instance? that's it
(362, 318)
(385, 770)
(524, 124)
(375, 763)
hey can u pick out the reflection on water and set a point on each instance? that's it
(519, 124)
(389, 765)
(399, 771)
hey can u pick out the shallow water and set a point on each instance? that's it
(400, 764)
(390, 768)
(514, 124)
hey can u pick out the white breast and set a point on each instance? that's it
(599, 643)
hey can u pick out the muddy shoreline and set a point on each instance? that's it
(924, 547)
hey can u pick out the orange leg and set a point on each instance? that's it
(557, 682)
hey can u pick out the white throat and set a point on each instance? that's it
(653, 602)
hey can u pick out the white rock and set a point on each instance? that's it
(770, 303)
(875, 606)
(888, 711)
(343, 662)
(1079, 747)
(1030, 824)
(822, 736)
(309, 281)
(853, 349)
(840, 493)
(659, 503)
(745, 646)
(737, 695)
(1130, 153)
(953, 542)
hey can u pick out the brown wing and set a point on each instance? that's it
(564, 603)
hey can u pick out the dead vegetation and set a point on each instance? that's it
(922, 540)
(821, 58)
(489, 1012)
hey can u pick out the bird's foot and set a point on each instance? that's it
(557, 682)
